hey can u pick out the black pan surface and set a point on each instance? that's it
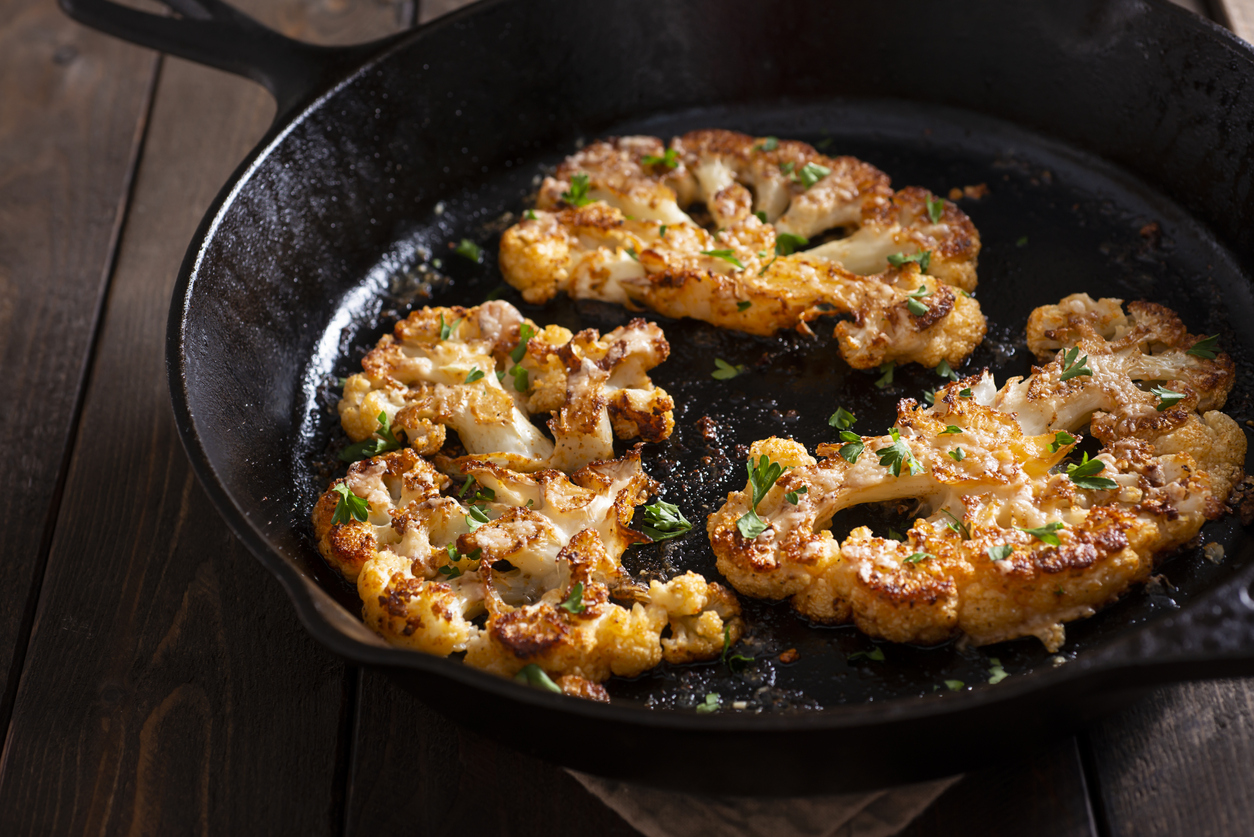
(1117, 148)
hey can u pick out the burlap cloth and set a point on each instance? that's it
(658, 813)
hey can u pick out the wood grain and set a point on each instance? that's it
(415, 772)
(168, 688)
(72, 105)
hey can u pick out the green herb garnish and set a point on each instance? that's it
(1083, 475)
(842, 419)
(574, 600)
(475, 374)
(477, 516)
(886, 374)
(349, 507)
(725, 255)
(1061, 439)
(1000, 552)
(954, 685)
(1204, 348)
(670, 159)
(530, 215)
(876, 654)
(955, 524)
(917, 557)
(1071, 367)
(912, 301)
(956, 454)
(812, 173)
(851, 451)
(725, 371)
(1045, 533)
(384, 440)
(996, 673)
(578, 193)
(935, 208)
(924, 259)
(446, 331)
(951, 428)
(1166, 397)
(791, 496)
(943, 369)
(532, 675)
(743, 305)
(898, 454)
(663, 520)
(768, 144)
(467, 249)
(761, 477)
(710, 704)
(786, 243)
(760, 215)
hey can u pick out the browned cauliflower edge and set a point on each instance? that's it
(1014, 536)
(609, 226)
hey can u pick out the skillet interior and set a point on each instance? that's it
(326, 224)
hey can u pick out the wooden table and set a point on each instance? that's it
(154, 679)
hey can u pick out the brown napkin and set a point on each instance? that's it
(659, 813)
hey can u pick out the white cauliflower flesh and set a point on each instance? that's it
(482, 370)
(610, 225)
(516, 569)
(1017, 534)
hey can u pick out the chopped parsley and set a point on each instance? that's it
(661, 231)
(521, 380)
(1045, 533)
(710, 704)
(574, 600)
(965, 392)
(530, 215)
(1072, 367)
(854, 447)
(477, 516)
(578, 193)
(761, 477)
(1166, 397)
(886, 374)
(768, 144)
(670, 159)
(663, 520)
(1000, 552)
(467, 249)
(1205, 348)
(996, 673)
(956, 454)
(726, 255)
(912, 301)
(736, 662)
(450, 571)
(791, 496)
(383, 440)
(454, 555)
(787, 168)
(725, 371)
(924, 259)
(842, 419)
(951, 428)
(762, 272)
(955, 524)
(876, 654)
(525, 333)
(917, 557)
(532, 675)
(631, 251)
(935, 208)
(954, 685)
(811, 173)
(898, 454)
(786, 243)
(743, 305)
(943, 369)
(760, 215)
(446, 331)
(349, 507)
(894, 535)
(1084, 475)
(475, 374)
(1061, 439)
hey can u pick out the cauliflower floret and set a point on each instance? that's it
(522, 570)
(481, 370)
(1011, 540)
(634, 246)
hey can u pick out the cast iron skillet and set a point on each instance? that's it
(1115, 138)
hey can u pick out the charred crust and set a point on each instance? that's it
(529, 633)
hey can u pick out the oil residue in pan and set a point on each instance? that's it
(1053, 222)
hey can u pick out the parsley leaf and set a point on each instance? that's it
(894, 535)
(631, 251)
(935, 208)
(812, 173)
(842, 419)
(943, 369)
(1204, 348)
(450, 571)
(578, 193)
(525, 333)
(477, 516)
(367, 448)
(954, 685)
(521, 380)
(924, 259)
(663, 520)
(530, 215)
(670, 159)
(1045, 533)
(467, 249)
(912, 301)
(1061, 439)
(787, 168)
(1083, 475)
(955, 524)
(996, 673)
(786, 243)
(768, 144)
(349, 507)
(446, 331)
(1000, 552)
(574, 601)
(761, 477)
(661, 231)
(886, 374)
(532, 675)
(760, 215)
(951, 428)
(851, 451)
(898, 454)
(791, 496)
(725, 255)
(876, 654)
(710, 704)
(956, 454)
(736, 662)
(762, 272)
(917, 557)
(1071, 367)
(743, 305)
(1166, 397)
(750, 525)
(725, 371)
(965, 392)
(475, 374)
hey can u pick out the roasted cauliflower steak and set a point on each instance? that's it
(1014, 536)
(610, 225)
(521, 569)
(482, 370)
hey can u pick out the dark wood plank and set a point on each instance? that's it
(72, 104)
(1180, 761)
(414, 772)
(168, 688)
(1043, 795)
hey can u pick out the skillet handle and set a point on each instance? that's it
(213, 33)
